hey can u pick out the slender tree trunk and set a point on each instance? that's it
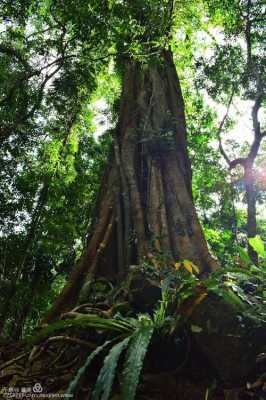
(251, 210)
(146, 208)
(19, 324)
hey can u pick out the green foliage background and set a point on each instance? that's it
(56, 60)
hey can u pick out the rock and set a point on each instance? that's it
(228, 339)
(143, 292)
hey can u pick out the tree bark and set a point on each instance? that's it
(251, 211)
(147, 208)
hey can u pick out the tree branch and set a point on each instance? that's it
(256, 124)
(258, 135)
(238, 161)
(220, 128)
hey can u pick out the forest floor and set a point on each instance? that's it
(219, 353)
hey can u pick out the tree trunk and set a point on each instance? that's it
(145, 208)
(251, 211)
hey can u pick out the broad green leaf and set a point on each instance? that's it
(258, 245)
(244, 255)
(106, 376)
(233, 299)
(73, 384)
(134, 361)
(254, 269)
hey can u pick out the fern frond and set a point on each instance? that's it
(106, 376)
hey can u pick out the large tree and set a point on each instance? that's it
(145, 207)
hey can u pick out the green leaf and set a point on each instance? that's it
(233, 299)
(122, 325)
(134, 361)
(258, 245)
(244, 255)
(196, 329)
(106, 376)
(73, 384)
